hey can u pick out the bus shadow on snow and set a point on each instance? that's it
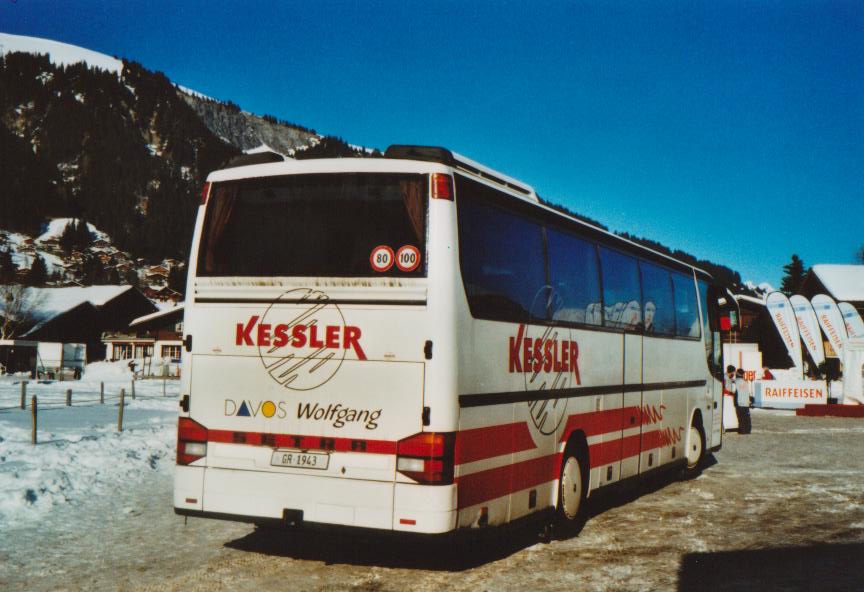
(829, 566)
(455, 552)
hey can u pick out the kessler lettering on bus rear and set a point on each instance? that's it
(297, 336)
(547, 355)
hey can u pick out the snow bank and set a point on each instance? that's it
(80, 453)
(108, 372)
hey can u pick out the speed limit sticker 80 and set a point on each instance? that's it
(408, 258)
(381, 258)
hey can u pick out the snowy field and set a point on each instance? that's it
(89, 508)
(79, 450)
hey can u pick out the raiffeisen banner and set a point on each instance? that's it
(852, 320)
(808, 327)
(831, 321)
(783, 316)
(782, 394)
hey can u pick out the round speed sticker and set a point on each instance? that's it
(381, 258)
(408, 258)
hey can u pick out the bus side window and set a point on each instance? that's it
(659, 305)
(502, 258)
(622, 293)
(686, 313)
(574, 276)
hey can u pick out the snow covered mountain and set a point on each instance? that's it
(239, 128)
(97, 138)
(60, 54)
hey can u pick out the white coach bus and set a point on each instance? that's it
(416, 343)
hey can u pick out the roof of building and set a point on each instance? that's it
(51, 302)
(168, 312)
(844, 282)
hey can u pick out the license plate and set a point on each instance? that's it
(300, 460)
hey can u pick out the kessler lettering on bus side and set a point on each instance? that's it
(297, 336)
(548, 355)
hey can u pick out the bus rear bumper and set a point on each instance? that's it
(254, 496)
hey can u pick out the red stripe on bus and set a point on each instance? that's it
(595, 423)
(302, 442)
(490, 484)
(482, 486)
(489, 442)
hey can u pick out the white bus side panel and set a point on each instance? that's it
(667, 411)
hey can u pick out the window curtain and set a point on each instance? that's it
(223, 206)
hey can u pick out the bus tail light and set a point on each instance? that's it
(427, 457)
(205, 193)
(442, 186)
(191, 441)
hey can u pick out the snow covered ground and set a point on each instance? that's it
(79, 450)
(88, 507)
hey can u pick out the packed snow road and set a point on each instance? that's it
(782, 508)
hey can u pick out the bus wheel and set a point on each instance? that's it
(571, 493)
(695, 448)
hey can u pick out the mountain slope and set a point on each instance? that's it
(115, 144)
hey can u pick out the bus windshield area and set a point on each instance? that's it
(317, 225)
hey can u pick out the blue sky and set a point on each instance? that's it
(733, 130)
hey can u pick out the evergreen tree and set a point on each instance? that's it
(177, 279)
(76, 235)
(794, 276)
(112, 276)
(330, 147)
(131, 278)
(83, 236)
(8, 269)
(38, 272)
(67, 238)
(92, 271)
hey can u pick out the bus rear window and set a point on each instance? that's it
(336, 225)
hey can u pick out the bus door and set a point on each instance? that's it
(721, 311)
(631, 416)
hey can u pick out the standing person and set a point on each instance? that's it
(742, 402)
(729, 381)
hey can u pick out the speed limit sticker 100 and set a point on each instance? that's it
(381, 258)
(408, 258)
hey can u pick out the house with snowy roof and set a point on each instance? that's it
(82, 314)
(843, 283)
(153, 342)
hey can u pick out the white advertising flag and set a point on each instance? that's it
(783, 316)
(808, 327)
(852, 320)
(831, 321)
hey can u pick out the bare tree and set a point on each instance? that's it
(18, 309)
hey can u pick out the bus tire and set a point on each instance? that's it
(695, 453)
(572, 491)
